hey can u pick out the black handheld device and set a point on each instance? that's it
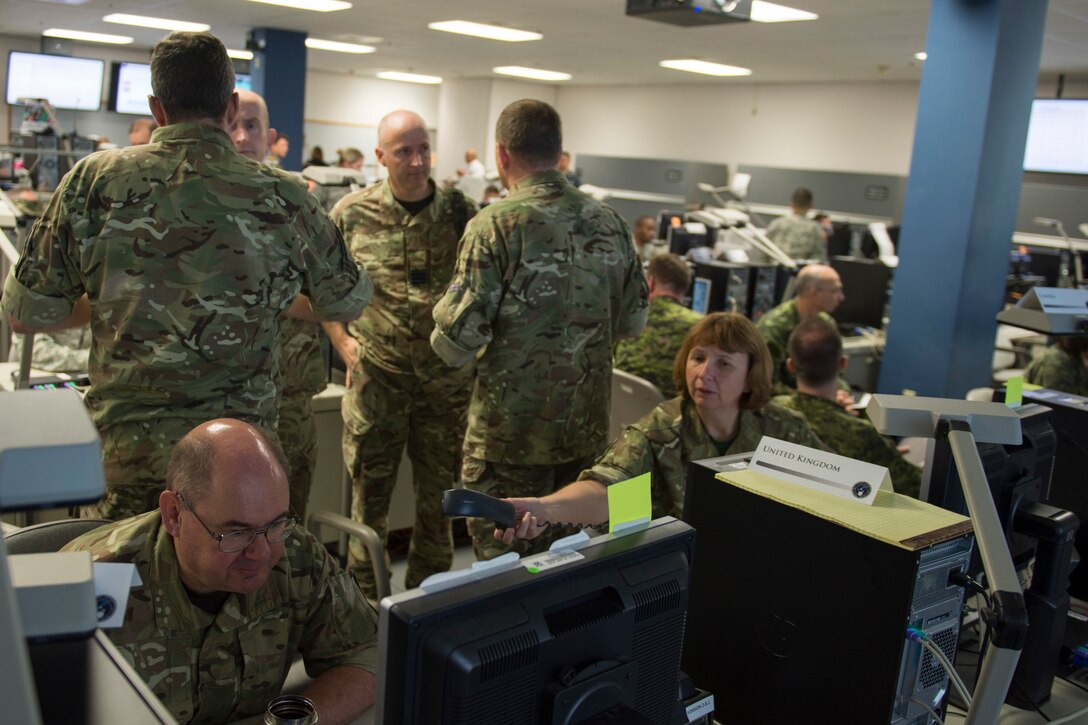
(462, 502)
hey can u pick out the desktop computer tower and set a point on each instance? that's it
(720, 287)
(795, 618)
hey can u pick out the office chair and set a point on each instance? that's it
(50, 536)
(632, 398)
(373, 544)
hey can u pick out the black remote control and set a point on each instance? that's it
(462, 502)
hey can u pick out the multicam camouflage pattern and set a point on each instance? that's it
(402, 393)
(546, 281)
(652, 354)
(189, 253)
(776, 327)
(855, 438)
(214, 668)
(799, 237)
(58, 351)
(305, 375)
(672, 435)
(1058, 370)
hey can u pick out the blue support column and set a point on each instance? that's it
(962, 196)
(279, 74)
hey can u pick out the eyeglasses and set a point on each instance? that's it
(236, 541)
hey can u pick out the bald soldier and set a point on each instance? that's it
(301, 361)
(404, 232)
(232, 588)
(184, 277)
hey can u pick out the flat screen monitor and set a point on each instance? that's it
(865, 283)
(130, 85)
(666, 220)
(558, 638)
(66, 82)
(1057, 136)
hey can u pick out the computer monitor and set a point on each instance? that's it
(666, 220)
(681, 241)
(866, 283)
(596, 629)
(130, 85)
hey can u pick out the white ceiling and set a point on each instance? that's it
(854, 40)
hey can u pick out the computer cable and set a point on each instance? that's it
(932, 713)
(917, 635)
(1070, 717)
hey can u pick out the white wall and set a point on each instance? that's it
(463, 106)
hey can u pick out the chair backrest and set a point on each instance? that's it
(50, 536)
(632, 398)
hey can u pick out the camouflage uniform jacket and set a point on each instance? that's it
(57, 351)
(855, 438)
(776, 327)
(410, 260)
(799, 237)
(652, 354)
(1058, 370)
(546, 281)
(303, 365)
(188, 252)
(672, 435)
(211, 668)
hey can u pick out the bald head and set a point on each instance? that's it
(818, 289)
(218, 451)
(251, 133)
(404, 148)
(396, 123)
(140, 131)
(470, 155)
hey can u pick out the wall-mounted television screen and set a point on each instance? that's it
(70, 83)
(241, 80)
(1058, 136)
(130, 85)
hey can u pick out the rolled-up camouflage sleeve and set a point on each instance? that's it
(337, 287)
(629, 456)
(463, 317)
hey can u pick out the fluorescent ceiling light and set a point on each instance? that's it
(240, 54)
(706, 68)
(764, 12)
(88, 37)
(921, 56)
(535, 73)
(337, 47)
(396, 75)
(319, 6)
(158, 23)
(480, 30)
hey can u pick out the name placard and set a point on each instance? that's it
(819, 470)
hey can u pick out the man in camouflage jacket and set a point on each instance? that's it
(57, 351)
(232, 589)
(404, 232)
(546, 281)
(183, 256)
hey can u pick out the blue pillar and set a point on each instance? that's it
(279, 74)
(963, 193)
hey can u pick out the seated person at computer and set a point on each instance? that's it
(1064, 366)
(815, 356)
(723, 374)
(796, 234)
(233, 588)
(650, 356)
(60, 351)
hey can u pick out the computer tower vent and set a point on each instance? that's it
(932, 586)
(931, 672)
(656, 600)
(509, 654)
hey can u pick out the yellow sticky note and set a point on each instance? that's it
(1032, 386)
(1014, 391)
(629, 501)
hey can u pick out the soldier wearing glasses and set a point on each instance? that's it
(232, 588)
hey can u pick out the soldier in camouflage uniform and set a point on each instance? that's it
(723, 373)
(224, 608)
(796, 234)
(546, 281)
(1064, 366)
(404, 232)
(183, 256)
(816, 358)
(652, 354)
(58, 351)
(301, 360)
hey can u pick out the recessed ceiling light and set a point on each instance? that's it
(88, 37)
(706, 68)
(921, 56)
(240, 54)
(337, 47)
(534, 73)
(396, 75)
(480, 30)
(318, 6)
(157, 23)
(764, 12)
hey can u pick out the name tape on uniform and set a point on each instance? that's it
(819, 470)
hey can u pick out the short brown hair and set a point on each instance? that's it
(531, 131)
(815, 348)
(192, 76)
(802, 198)
(731, 332)
(671, 271)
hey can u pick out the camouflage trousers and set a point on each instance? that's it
(383, 412)
(298, 436)
(505, 480)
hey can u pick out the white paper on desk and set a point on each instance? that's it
(819, 470)
(112, 582)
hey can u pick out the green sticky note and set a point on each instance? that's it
(1032, 386)
(629, 501)
(1014, 391)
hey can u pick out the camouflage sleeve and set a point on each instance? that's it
(53, 352)
(462, 318)
(906, 477)
(629, 456)
(800, 433)
(635, 292)
(1053, 370)
(337, 287)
